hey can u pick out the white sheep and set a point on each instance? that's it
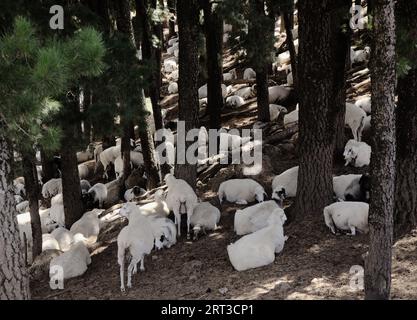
(172, 41)
(170, 65)
(64, 237)
(241, 191)
(278, 93)
(57, 214)
(354, 118)
(357, 153)
(157, 208)
(253, 218)
(19, 189)
(230, 75)
(52, 188)
(202, 91)
(181, 198)
(138, 237)
(365, 104)
(367, 124)
(284, 58)
(173, 88)
(98, 193)
(343, 182)
(350, 216)
(249, 73)
(235, 101)
(134, 193)
(275, 110)
(108, 156)
(258, 249)
(231, 142)
(291, 118)
(285, 184)
(88, 154)
(83, 171)
(49, 242)
(72, 263)
(163, 228)
(360, 56)
(88, 226)
(85, 186)
(23, 206)
(205, 217)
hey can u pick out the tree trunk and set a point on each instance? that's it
(187, 15)
(262, 94)
(32, 191)
(290, 43)
(405, 214)
(71, 190)
(317, 129)
(213, 26)
(171, 7)
(125, 148)
(14, 280)
(48, 167)
(383, 75)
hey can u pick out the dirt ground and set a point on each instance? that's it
(314, 264)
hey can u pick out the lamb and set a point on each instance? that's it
(235, 101)
(285, 184)
(108, 156)
(138, 237)
(258, 249)
(278, 93)
(354, 118)
(365, 104)
(254, 218)
(163, 228)
(85, 186)
(173, 88)
(73, 263)
(158, 208)
(98, 193)
(350, 216)
(230, 75)
(88, 226)
(275, 110)
(241, 191)
(343, 182)
(83, 171)
(49, 242)
(357, 153)
(52, 188)
(64, 237)
(180, 196)
(249, 73)
(205, 217)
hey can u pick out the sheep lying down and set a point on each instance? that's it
(349, 216)
(241, 191)
(258, 249)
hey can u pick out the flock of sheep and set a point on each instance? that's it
(149, 228)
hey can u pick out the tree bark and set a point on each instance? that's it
(32, 191)
(405, 214)
(48, 167)
(383, 75)
(213, 26)
(187, 16)
(14, 280)
(290, 43)
(316, 115)
(71, 190)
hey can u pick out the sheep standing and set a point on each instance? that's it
(349, 216)
(258, 249)
(181, 197)
(254, 218)
(108, 156)
(354, 118)
(138, 237)
(365, 104)
(241, 191)
(205, 217)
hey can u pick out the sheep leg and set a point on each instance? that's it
(352, 231)
(142, 264)
(122, 271)
(129, 274)
(177, 215)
